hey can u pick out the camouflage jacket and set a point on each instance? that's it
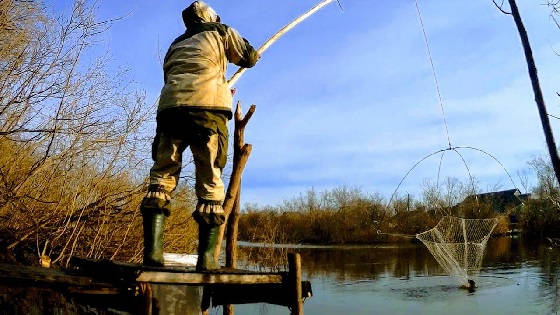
(195, 64)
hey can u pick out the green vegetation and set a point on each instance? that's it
(541, 216)
(337, 216)
(343, 215)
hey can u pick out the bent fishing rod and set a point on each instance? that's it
(279, 34)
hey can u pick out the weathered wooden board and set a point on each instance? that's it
(121, 281)
(29, 275)
(206, 278)
(117, 271)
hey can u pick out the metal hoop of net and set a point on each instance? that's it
(458, 245)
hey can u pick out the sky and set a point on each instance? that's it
(347, 98)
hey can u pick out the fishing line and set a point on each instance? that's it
(439, 168)
(468, 171)
(444, 118)
(456, 150)
(429, 52)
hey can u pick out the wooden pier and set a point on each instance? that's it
(222, 287)
(132, 283)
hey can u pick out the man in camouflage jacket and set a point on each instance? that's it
(194, 107)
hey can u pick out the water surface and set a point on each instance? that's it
(517, 277)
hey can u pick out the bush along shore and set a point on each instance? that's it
(75, 155)
(349, 216)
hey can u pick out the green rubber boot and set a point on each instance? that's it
(207, 243)
(153, 221)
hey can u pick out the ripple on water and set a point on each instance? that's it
(442, 287)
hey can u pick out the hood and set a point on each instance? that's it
(199, 12)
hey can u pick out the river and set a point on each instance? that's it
(517, 277)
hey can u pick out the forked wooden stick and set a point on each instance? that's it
(241, 152)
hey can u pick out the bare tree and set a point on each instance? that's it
(69, 136)
(532, 69)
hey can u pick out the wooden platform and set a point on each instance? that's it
(222, 287)
(105, 270)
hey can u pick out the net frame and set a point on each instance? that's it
(458, 245)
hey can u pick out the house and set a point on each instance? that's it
(500, 201)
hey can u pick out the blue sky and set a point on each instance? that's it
(347, 97)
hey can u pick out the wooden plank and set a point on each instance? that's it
(125, 272)
(25, 275)
(278, 294)
(103, 266)
(38, 274)
(206, 278)
(95, 291)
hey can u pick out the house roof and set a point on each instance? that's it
(499, 200)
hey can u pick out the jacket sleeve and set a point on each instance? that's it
(165, 64)
(239, 51)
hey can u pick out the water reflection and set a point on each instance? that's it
(176, 299)
(518, 276)
(371, 263)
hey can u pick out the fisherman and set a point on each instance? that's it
(194, 107)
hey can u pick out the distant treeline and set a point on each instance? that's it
(338, 216)
(348, 215)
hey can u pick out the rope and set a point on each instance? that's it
(429, 52)
(441, 104)
(450, 147)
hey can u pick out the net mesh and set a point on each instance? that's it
(458, 245)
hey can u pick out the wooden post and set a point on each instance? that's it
(205, 302)
(231, 244)
(232, 231)
(146, 295)
(539, 99)
(229, 309)
(232, 202)
(294, 277)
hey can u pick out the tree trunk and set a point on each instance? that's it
(539, 99)
(240, 156)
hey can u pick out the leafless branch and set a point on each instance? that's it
(501, 7)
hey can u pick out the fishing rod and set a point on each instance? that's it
(235, 77)
(279, 34)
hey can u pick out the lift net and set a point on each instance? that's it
(458, 245)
